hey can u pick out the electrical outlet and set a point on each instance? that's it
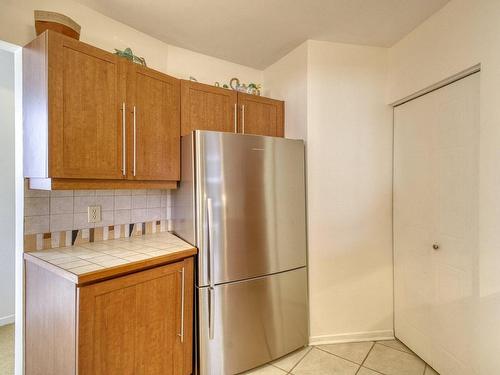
(94, 214)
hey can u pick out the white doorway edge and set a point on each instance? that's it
(19, 204)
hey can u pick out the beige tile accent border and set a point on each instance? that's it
(52, 240)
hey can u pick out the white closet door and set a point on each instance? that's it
(436, 203)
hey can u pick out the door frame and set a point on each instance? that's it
(19, 205)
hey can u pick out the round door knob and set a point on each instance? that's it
(435, 246)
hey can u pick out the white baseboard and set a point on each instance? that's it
(9, 319)
(352, 337)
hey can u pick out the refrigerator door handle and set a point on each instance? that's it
(211, 312)
(210, 244)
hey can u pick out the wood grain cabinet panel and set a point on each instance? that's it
(129, 325)
(155, 98)
(260, 115)
(205, 107)
(86, 92)
(78, 119)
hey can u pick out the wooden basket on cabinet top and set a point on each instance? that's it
(93, 120)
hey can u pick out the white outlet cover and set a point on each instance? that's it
(94, 214)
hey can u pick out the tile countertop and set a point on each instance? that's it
(95, 261)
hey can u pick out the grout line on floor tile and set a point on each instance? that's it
(300, 360)
(335, 355)
(366, 356)
(399, 350)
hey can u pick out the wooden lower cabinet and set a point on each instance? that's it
(138, 324)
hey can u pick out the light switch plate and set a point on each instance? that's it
(94, 213)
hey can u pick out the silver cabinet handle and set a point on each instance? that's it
(135, 142)
(124, 142)
(235, 117)
(181, 334)
(243, 118)
(211, 312)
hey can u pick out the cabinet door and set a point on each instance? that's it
(261, 116)
(86, 94)
(205, 107)
(154, 118)
(132, 324)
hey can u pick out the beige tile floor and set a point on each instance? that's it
(389, 357)
(359, 358)
(7, 349)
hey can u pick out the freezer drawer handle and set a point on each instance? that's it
(181, 334)
(211, 291)
(209, 247)
(211, 313)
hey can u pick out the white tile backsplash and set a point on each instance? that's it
(139, 201)
(122, 217)
(104, 192)
(84, 193)
(107, 203)
(36, 224)
(59, 193)
(107, 218)
(36, 206)
(61, 205)
(60, 222)
(153, 201)
(66, 210)
(81, 203)
(139, 215)
(80, 221)
(154, 213)
(123, 202)
(123, 192)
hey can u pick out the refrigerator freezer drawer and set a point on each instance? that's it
(248, 323)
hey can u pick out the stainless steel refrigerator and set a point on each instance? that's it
(241, 201)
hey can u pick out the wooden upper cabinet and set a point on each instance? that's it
(260, 115)
(132, 324)
(85, 89)
(78, 119)
(205, 107)
(154, 109)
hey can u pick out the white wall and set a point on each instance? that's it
(286, 79)
(349, 136)
(460, 35)
(7, 188)
(17, 27)
(340, 90)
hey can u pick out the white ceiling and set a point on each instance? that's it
(256, 33)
